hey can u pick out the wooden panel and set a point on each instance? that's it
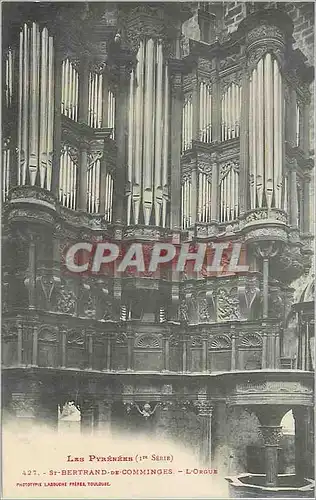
(47, 355)
(220, 361)
(148, 360)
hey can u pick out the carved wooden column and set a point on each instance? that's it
(185, 354)
(292, 164)
(84, 89)
(20, 339)
(82, 178)
(306, 204)
(195, 106)
(130, 351)
(205, 411)
(176, 124)
(233, 357)
(271, 436)
(30, 280)
(166, 352)
(216, 106)
(108, 353)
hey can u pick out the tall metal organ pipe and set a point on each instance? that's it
(70, 90)
(230, 111)
(266, 134)
(205, 115)
(68, 179)
(148, 137)
(35, 106)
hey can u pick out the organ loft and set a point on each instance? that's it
(179, 122)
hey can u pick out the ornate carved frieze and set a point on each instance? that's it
(271, 435)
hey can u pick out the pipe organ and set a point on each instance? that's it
(187, 123)
(229, 192)
(95, 100)
(68, 175)
(35, 107)
(266, 134)
(148, 137)
(205, 112)
(230, 112)
(70, 90)
(204, 196)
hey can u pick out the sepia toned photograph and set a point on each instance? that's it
(158, 221)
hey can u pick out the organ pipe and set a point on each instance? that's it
(70, 90)
(148, 140)
(268, 125)
(260, 137)
(67, 179)
(230, 107)
(165, 161)
(205, 112)
(266, 134)
(229, 197)
(35, 106)
(95, 100)
(158, 135)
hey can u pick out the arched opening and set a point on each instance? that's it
(288, 442)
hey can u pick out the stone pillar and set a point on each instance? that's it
(271, 436)
(205, 411)
(301, 442)
(82, 178)
(176, 120)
